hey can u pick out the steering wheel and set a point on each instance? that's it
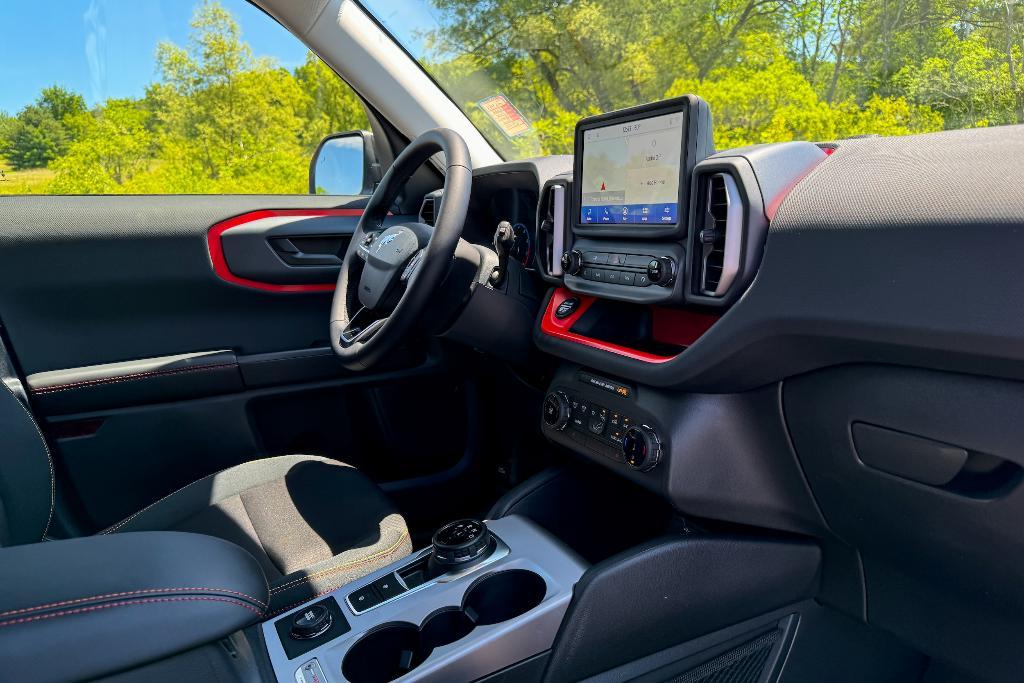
(388, 275)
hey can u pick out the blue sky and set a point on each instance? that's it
(105, 48)
(407, 20)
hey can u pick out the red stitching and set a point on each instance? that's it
(122, 594)
(126, 378)
(129, 603)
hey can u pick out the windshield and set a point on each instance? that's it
(524, 71)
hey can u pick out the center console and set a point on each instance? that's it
(639, 222)
(483, 597)
(648, 245)
(654, 236)
(630, 183)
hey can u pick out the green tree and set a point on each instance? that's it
(228, 121)
(62, 104)
(35, 139)
(7, 124)
(115, 146)
(328, 104)
(41, 131)
(772, 69)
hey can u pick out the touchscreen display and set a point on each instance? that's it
(631, 171)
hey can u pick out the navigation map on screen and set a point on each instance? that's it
(631, 171)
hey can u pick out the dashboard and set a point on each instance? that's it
(797, 344)
(501, 197)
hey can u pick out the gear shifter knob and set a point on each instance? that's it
(461, 544)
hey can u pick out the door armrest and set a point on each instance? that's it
(81, 608)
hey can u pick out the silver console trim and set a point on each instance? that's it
(500, 551)
(487, 648)
(313, 668)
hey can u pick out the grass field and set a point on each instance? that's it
(31, 181)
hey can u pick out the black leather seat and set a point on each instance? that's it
(313, 524)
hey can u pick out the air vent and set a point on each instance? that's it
(719, 238)
(427, 209)
(552, 235)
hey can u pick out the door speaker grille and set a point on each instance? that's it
(742, 664)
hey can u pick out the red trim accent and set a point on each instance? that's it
(680, 327)
(220, 264)
(671, 326)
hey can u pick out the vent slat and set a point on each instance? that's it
(713, 259)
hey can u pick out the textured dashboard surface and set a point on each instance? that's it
(961, 178)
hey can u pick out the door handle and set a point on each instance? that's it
(293, 250)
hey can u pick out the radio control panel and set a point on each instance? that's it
(628, 271)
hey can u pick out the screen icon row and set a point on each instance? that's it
(632, 214)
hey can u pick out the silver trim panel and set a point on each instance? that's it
(487, 648)
(558, 221)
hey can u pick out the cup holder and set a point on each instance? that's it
(395, 649)
(384, 654)
(503, 596)
(443, 628)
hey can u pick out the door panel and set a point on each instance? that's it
(149, 369)
(150, 380)
(92, 279)
(295, 250)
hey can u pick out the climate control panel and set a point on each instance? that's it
(626, 270)
(630, 270)
(598, 429)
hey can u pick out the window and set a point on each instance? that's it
(772, 70)
(161, 97)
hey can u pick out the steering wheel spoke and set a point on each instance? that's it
(413, 266)
(362, 327)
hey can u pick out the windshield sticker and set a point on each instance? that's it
(505, 115)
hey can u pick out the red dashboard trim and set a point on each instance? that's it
(670, 326)
(220, 264)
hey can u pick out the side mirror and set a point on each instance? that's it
(344, 164)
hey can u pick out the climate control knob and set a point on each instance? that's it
(661, 271)
(556, 410)
(572, 262)
(641, 448)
